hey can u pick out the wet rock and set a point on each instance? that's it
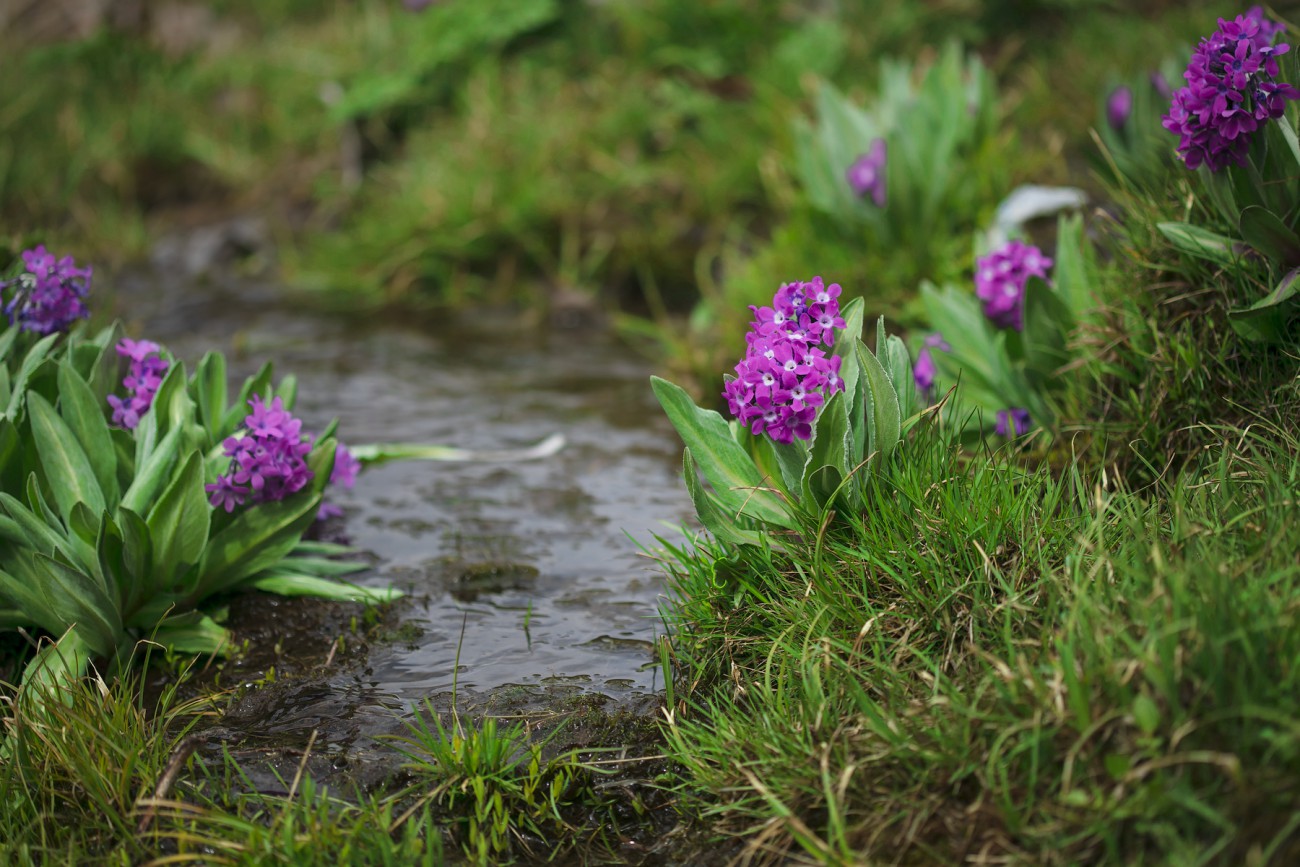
(206, 249)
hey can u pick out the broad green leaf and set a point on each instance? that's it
(722, 525)
(1270, 319)
(77, 598)
(832, 449)
(1202, 243)
(1270, 237)
(1074, 272)
(884, 416)
(22, 592)
(210, 394)
(197, 633)
(380, 453)
(85, 418)
(1047, 322)
(729, 469)
(68, 471)
(287, 583)
(322, 566)
(900, 374)
(36, 530)
(178, 523)
(135, 585)
(153, 473)
(34, 359)
(56, 666)
(259, 537)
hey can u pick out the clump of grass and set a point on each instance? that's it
(1007, 664)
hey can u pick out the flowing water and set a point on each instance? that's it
(531, 570)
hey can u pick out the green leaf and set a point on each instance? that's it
(64, 462)
(178, 523)
(153, 473)
(37, 531)
(1047, 324)
(831, 458)
(258, 538)
(381, 453)
(322, 566)
(210, 394)
(1269, 320)
(736, 482)
(1074, 273)
(284, 582)
(1202, 243)
(85, 418)
(56, 665)
(34, 359)
(884, 416)
(77, 598)
(194, 633)
(721, 524)
(134, 584)
(1270, 237)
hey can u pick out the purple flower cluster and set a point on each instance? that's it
(1231, 89)
(1000, 279)
(867, 174)
(344, 475)
(1013, 422)
(47, 295)
(141, 382)
(268, 462)
(924, 371)
(785, 375)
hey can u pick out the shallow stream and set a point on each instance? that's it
(531, 570)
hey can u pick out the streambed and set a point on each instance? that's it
(529, 570)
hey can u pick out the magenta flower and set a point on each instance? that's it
(1013, 422)
(141, 382)
(46, 297)
(1119, 105)
(867, 174)
(268, 458)
(344, 475)
(924, 371)
(1000, 280)
(785, 374)
(1232, 89)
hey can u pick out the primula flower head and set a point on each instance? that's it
(268, 461)
(141, 382)
(46, 296)
(1232, 89)
(867, 174)
(785, 374)
(1000, 279)
(924, 371)
(1012, 422)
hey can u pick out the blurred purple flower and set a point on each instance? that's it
(1013, 422)
(1231, 90)
(1000, 280)
(267, 462)
(344, 475)
(1119, 105)
(867, 174)
(141, 382)
(418, 5)
(924, 371)
(46, 297)
(785, 375)
(1161, 84)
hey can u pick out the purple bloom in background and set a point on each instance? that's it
(268, 462)
(1161, 84)
(924, 371)
(1013, 422)
(47, 295)
(1231, 90)
(1000, 279)
(867, 174)
(141, 382)
(1119, 105)
(344, 475)
(785, 374)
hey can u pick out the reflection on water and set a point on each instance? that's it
(534, 559)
